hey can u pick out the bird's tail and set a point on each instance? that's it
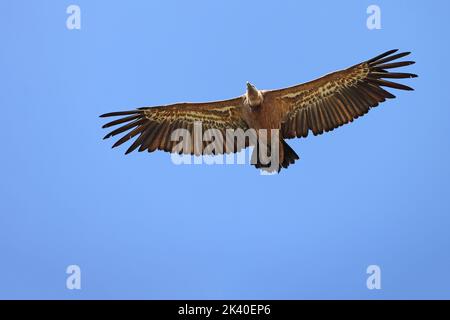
(287, 156)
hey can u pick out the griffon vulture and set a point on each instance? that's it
(318, 106)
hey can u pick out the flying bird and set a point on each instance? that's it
(318, 106)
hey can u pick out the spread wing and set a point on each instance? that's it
(153, 126)
(338, 98)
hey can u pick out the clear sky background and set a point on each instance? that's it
(373, 192)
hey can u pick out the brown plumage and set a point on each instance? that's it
(317, 106)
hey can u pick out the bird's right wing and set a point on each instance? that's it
(339, 97)
(154, 125)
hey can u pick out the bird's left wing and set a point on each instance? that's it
(339, 97)
(154, 125)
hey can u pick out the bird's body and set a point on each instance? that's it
(318, 106)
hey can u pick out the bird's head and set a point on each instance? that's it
(250, 87)
(254, 96)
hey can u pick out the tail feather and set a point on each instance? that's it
(288, 154)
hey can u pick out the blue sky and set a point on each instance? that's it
(373, 192)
